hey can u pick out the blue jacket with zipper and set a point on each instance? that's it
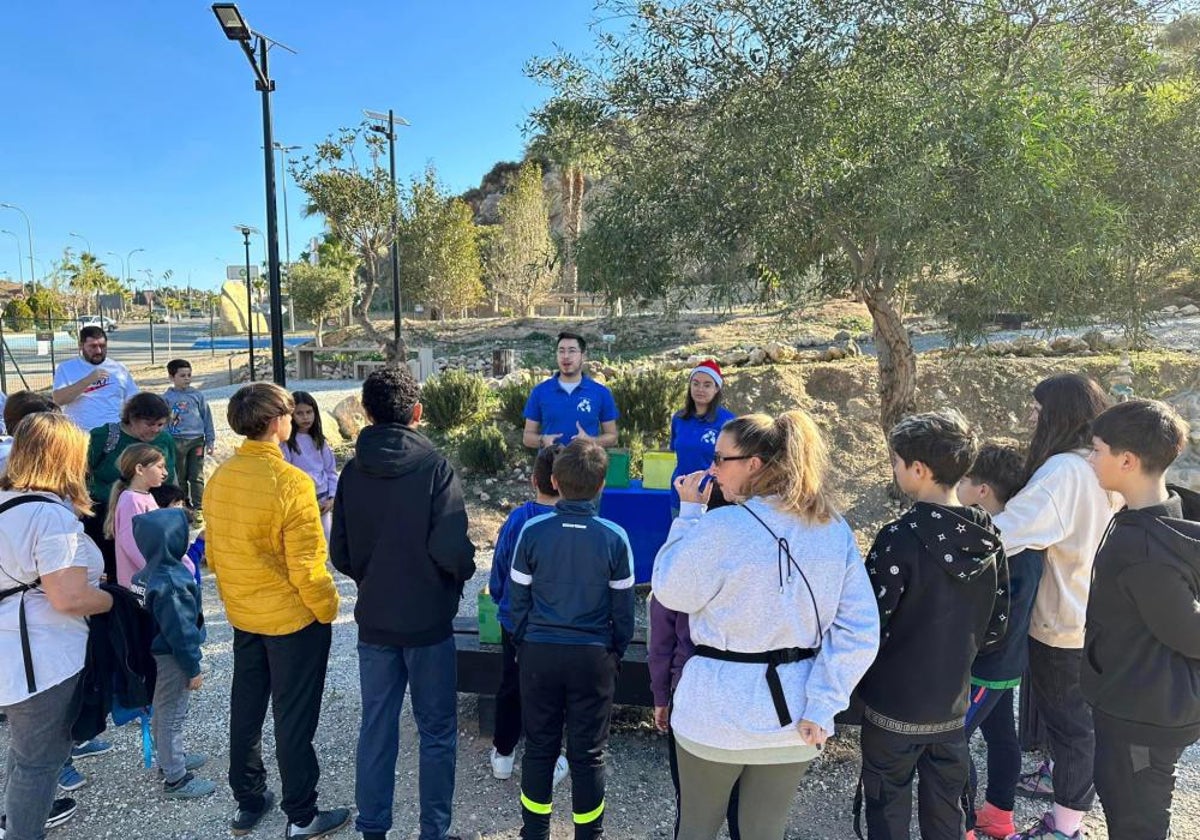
(572, 580)
(167, 589)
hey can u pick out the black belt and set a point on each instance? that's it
(772, 659)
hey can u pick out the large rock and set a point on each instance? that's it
(349, 417)
(779, 353)
(332, 429)
(1189, 310)
(233, 314)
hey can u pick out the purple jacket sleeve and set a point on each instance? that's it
(661, 651)
(331, 474)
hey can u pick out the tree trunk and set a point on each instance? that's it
(364, 310)
(895, 357)
(320, 326)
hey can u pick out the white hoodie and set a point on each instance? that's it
(1064, 510)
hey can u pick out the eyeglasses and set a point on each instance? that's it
(719, 459)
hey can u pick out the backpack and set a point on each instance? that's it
(21, 589)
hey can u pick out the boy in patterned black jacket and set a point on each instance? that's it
(942, 586)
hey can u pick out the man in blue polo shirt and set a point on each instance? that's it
(570, 405)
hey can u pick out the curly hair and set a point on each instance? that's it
(390, 394)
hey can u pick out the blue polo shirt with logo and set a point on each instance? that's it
(590, 404)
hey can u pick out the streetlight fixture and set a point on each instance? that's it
(149, 306)
(287, 237)
(245, 231)
(236, 29)
(20, 256)
(388, 130)
(29, 231)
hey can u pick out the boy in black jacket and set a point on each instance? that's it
(571, 604)
(167, 589)
(942, 586)
(1141, 664)
(400, 531)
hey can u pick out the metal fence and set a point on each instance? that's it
(29, 351)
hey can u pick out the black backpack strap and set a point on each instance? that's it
(21, 589)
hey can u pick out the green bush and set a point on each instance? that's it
(633, 441)
(18, 315)
(484, 449)
(647, 401)
(454, 398)
(512, 397)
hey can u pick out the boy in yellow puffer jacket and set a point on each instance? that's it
(266, 547)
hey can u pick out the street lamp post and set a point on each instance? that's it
(20, 256)
(388, 129)
(149, 306)
(236, 29)
(29, 231)
(246, 230)
(287, 238)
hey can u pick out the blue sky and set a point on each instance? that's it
(136, 124)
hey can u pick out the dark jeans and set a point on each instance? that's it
(430, 673)
(1054, 679)
(93, 526)
(508, 699)
(1136, 784)
(731, 813)
(991, 712)
(572, 684)
(288, 671)
(889, 763)
(39, 744)
(189, 468)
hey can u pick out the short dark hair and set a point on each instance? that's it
(574, 336)
(390, 394)
(543, 468)
(253, 407)
(1001, 467)
(166, 495)
(579, 469)
(23, 403)
(176, 365)
(1151, 430)
(145, 406)
(92, 331)
(941, 440)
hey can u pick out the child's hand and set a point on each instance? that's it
(210, 449)
(195, 682)
(662, 720)
(326, 505)
(812, 734)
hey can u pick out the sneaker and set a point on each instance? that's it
(91, 749)
(990, 821)
(70, 779)
(191, 761)
(189, 787)
(61, 811)
(244, 822)
(1044, 830)
(322, 825)
(562, 769)
(502, 765)
(1039, 784)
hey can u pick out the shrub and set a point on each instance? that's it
(513, 396)
(647, 401)
(18, 315)
(632, 440)
(484, 449)
(454, 398)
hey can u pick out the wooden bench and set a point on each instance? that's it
(480, 666)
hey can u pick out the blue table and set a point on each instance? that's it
(646, 517)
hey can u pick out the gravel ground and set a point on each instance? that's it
(124, 801)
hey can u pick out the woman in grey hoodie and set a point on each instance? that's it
(782, 615)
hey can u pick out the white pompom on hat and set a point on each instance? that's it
(712, 369)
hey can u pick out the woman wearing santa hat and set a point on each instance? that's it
(694, 430)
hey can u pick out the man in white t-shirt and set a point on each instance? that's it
(92, 388)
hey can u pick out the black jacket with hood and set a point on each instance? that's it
(941, 581)
(1141, 665)
(400, 531)
(167, 588)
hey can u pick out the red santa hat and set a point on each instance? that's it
(712, 369)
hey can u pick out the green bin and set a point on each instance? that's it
(618, 468)
(489, 619)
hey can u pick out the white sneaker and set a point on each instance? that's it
(561, 770)
(502, 765)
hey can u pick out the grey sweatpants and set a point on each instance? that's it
(39, 744)
(765, 796)
(170, 717)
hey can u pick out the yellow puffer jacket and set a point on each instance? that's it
(264, 542)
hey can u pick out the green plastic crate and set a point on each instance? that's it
(618, 468)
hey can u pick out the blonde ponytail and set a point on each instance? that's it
(795, 461)
(134, 456)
